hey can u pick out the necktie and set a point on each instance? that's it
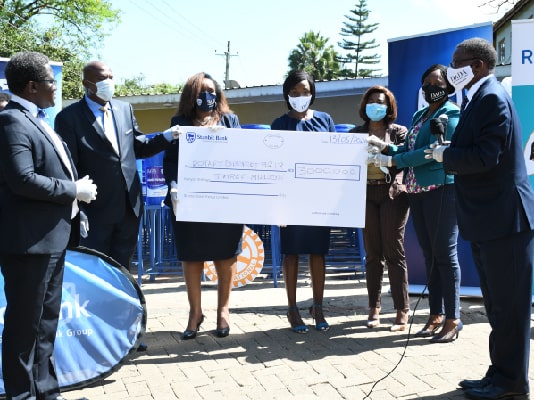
(109, 128)
(465, 100)
(41, 114)
(58, 144)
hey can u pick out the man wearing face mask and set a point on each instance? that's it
(105, 147)
(495, 208)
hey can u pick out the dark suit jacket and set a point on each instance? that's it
(36, 189)
(494, 196)
(93, 155)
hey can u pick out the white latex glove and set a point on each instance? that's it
(174, 196)
(84, 225)
(372, 149)
(376, 141)
(85, 189)
(436, 151)
(379, 160)
(173, 133)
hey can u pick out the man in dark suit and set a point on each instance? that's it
(38, 200)
(109, 157)
(495, 206)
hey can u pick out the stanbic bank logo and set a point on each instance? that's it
(208, 137)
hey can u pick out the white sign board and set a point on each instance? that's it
(270, 177)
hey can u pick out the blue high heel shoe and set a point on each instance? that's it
(296, 328)
(191, 334)
(319, 326)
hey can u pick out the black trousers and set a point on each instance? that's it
(505, 269)
(117, 240)
(33, 286)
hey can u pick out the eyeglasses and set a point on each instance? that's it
(50, 81)
(454, 64)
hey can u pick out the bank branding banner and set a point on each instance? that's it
(523, 85)
(102, 320)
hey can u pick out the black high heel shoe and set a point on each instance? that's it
(319, 326)
(447, 337)
(222, 332)
(193, 334)
(430, 328)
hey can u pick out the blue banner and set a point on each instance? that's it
(103, 317)
(409, 57)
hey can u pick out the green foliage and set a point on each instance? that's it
(353, 32)
(315, 56)
(136, 86)
(64, 30)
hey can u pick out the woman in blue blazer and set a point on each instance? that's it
(432, 204)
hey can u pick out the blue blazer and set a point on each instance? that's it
(494, 196)
(36, 189)
(93, 155)
(427, 172)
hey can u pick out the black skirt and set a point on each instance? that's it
(207, 241)
(298, 239)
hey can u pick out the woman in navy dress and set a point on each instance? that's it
(203, 103)
(299, 93)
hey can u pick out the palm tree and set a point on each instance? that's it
(315, 56)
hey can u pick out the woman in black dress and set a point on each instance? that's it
(299, 93)
(203, 103)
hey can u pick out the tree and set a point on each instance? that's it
(64, 30)
(354, 29)
(315, 56)
(497, 4)
(137, 86)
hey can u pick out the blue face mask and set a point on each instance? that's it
(376, 111)
(206, 101)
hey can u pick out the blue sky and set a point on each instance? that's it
(169, 40)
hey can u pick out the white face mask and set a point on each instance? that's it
(300, 104)
(105, 89)
(459, 77)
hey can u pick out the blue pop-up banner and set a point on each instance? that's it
(103, 317)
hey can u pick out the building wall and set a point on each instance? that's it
(343, 109)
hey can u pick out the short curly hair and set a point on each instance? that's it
(25, 67)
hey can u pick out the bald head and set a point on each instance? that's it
(94, 72)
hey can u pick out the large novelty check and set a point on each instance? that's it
(270, 177)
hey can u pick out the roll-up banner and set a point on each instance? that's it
(102, 320)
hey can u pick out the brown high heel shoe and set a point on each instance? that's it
(449, 333)
(401, 321)
(373, 320)
(431, 327)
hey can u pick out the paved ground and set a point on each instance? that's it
(263, 359)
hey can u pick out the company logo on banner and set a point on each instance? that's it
(249, 262)
(103, 317)
(523, 85)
